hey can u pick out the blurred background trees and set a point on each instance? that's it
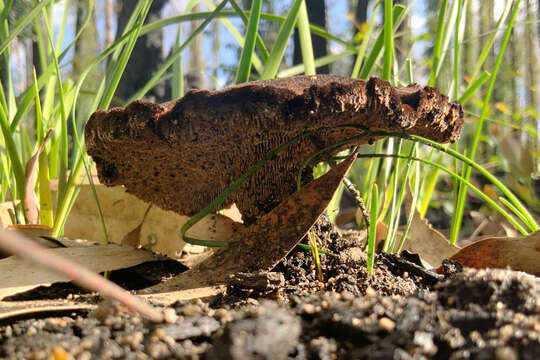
(510, 143)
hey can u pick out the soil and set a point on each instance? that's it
(401, 311)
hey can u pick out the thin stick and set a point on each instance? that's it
(24, 248)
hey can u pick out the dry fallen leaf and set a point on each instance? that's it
(522, 254)
(432, 246)
(31, 203)
(18, 309)
(124, 214)
(20, 246)
(17, 275)
(264, 243)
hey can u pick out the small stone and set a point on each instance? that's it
(135, 339)
(57, 321)
(387, 324)
(324, 304)
(309, 309)
(31, 331)
(425, 341)
(506, 332)
(347, 296)
(169, 315)
(223, 315)
(405, 275)
(86, 355)
(8, 331)
(370, 292)
(60, 354)
(190, 310)
(505, 353)
(86, 343)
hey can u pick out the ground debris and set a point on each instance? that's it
(469, 315)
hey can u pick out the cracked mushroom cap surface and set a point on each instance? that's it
(181, 154)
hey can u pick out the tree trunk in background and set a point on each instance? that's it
(316, 10)
(86, 49)
(216, 47)
(470, 44)
(360, 17)
(360, 14)
(402, 43)
(533, 70)
(514, 53)
(109, 11)
(487, 25)
(194, 75)
(145, 58)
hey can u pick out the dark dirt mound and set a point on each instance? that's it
(396, 313)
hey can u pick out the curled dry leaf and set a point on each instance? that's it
(263, 244)
(432, 246)
(31, 203)
(522, 253)
(125, 215)
(20, 246)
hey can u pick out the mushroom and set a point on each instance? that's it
(181, 154)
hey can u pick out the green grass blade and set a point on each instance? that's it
(22, 23)
(123, 59)
(278, 50)
(45, 199)
(325, 60)
(457, 48)
(479, 192)
(11, 151)
(365, 41)
(178, 70)
(447, 35)
(416, 193)
(489, 44)
(458, 214)
(259, 41)
(256, 62)
(398, 14)
(244, 67)
(305, 41)
(438, 42)
(473, 87)
(174, 55)
(372, 232)
(388, 35)
(46, 77)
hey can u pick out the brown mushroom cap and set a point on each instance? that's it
(180, 155)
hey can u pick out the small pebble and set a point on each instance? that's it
(370, 292)
(309, 309)
(86, 355)
(169, 315)
(505, 353)
(31, 331)
(224, 315)
(57, 321)
(387, 324)
(60, 354)
(191, 310)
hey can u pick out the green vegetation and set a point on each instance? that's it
(470, 65)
